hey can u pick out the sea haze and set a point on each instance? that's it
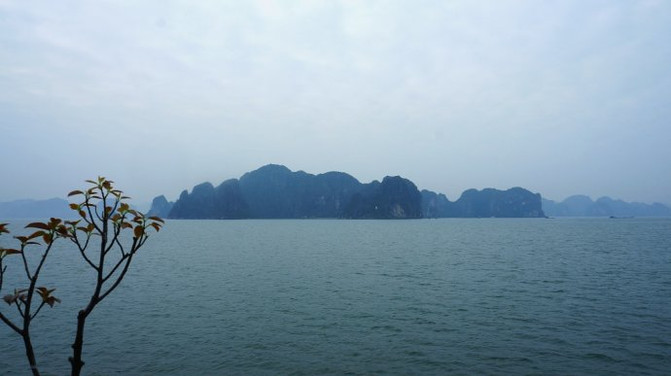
(423, 297)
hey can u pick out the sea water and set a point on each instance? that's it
(341, 297)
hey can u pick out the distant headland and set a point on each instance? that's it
(274, 191)
(583, 206)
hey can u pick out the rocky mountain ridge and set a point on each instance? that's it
(274, 191)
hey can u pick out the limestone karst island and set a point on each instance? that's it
(274, 191)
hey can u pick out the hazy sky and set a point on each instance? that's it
(559, 97)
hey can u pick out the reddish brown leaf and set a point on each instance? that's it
(36, 234)
(39, 225)
(157, 219)
(138, 231)
(74, 206)
(9, 299)
(52, 300)
(73, 193)
(62, 230)
(8, 251)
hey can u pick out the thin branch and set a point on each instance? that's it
(88, 261)
(82, 249)
(10, 324)
(86, 219)
(115, 268)
(118, 280)
(134, 248)
(25, 313)
(105, 225)
(116, 205)
(25, 261)
(98, 215)
(122, 252)
(117, 231)
(38, 309)
(121, 248)
(44, 257)
(104, 200)
(143, 239)
(2, 273)
(18, 306)
(88, 209)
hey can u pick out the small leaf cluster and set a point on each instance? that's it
(102, 203)
(21, 296)
(46, 233)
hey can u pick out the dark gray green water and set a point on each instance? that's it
(319, 297)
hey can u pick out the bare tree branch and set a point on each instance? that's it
(10, 324)
(82, 249)
(114, 269)
(118, 280)
(38, 309)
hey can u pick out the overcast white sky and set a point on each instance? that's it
(559, 97)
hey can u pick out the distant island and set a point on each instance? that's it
(33, 209)
(274, 191)
(583, 206)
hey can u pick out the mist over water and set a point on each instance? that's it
(305, 297)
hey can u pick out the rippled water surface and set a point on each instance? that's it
(313, 297)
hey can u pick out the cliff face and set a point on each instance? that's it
(160, 207)
(274, 191)
(394, 198)
(436, 205)
(512, 203)
(206, 202)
